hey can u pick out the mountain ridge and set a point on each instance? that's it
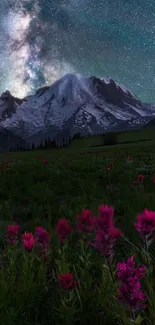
(73, 104)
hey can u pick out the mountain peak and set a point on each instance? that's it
(74, 103)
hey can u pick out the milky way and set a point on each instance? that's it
(42, 40)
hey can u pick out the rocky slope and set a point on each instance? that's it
(70, 105)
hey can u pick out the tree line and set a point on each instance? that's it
(47, 144)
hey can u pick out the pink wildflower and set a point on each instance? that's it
(130, 292)
(145, 223)
(127, 270)
(85, 221)
(105, 241)
(42, 238)
(28, 241)
(41, 235)
(12, 234)
(67, 281)
(105, 220)
(63, 229)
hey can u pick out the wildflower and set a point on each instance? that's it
(130, 292)
(28, 241)
(42, 238)
(127, 270)
(85, 221)
(63, 229)
(45, 161)
(110, 164)
(132, 295)
(67, 281)
(140, 178)
(105, 220)
(145, 223)
(105, 241)
(103, 169)
(12, 234)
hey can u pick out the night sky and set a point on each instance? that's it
(42, 40)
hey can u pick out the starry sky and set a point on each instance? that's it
(42, 40)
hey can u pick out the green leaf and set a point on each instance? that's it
(139, 320)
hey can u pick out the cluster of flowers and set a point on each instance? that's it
(130, 291)
(106, 234)
(40, 239)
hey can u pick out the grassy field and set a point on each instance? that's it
(38, 188)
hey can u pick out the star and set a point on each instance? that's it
(46, 39)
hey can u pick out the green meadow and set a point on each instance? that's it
(37, 188)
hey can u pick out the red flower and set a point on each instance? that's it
(110, 164)
(103, 169)
(67, 281)
(145, 222)
(12, 234)
(86, 222)
(28, 241)
(140, 178)
(63, 229)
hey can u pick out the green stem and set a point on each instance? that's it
(110, 269)
(146, 251)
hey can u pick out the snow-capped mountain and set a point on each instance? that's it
(70, 105)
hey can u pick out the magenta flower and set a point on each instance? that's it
(105, 241)
(28, 241)
(145, 223)
(130, 292)
(12, 234)
(105, 220)
(85, 221)
(63, 229)
(140, 178)
(42, 236)
(106, 233)
(127, 270)
(132, 295)
(67, 281)
(42, 239)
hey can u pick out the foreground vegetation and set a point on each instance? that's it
(67, 271)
